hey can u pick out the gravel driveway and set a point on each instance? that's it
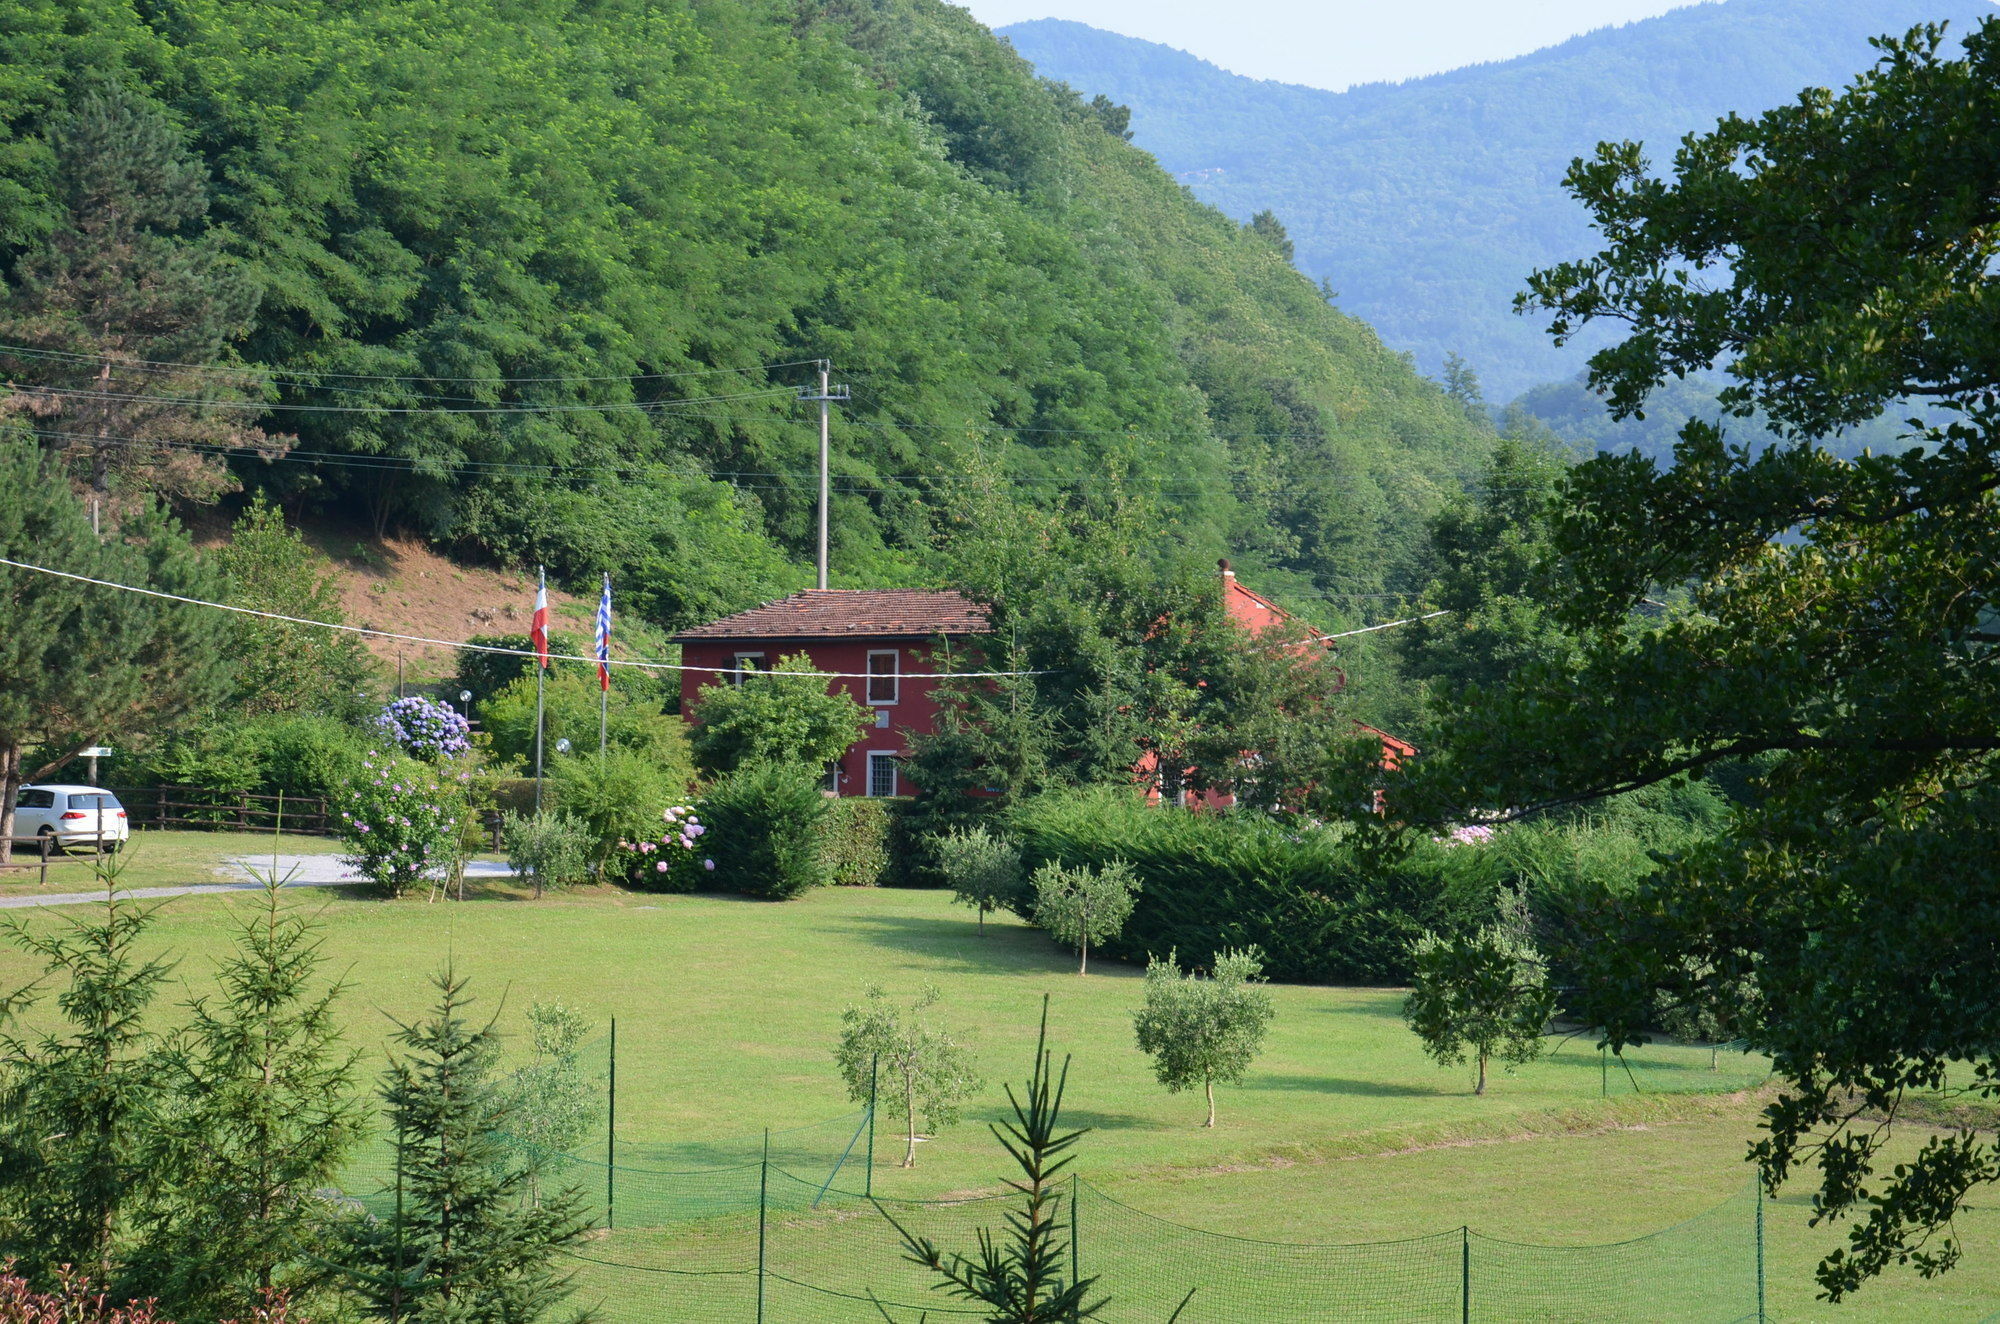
(311, 871)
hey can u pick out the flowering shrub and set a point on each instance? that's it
(400, 819)
(425, 729)
(674, 861)
(1475, 835)
(75, 1301)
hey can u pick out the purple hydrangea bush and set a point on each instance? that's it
(425, 728)
(401, 820)
(673, 860)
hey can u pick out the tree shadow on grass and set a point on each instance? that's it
(1073, 1119)
(959, 945)
(1379, 1089)
(1388, 1007)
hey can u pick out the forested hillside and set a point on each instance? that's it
(1425, 204)
(537, 281)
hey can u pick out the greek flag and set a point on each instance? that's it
(604, 637)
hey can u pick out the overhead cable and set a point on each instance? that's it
(1387, 625)
(735, 477)
(477, 648)
(303, 374)
(264, 406)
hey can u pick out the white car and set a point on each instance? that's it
(71, 816)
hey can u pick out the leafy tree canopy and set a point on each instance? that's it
(785, 715)
(1835, 254)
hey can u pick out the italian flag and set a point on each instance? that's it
(538, 632)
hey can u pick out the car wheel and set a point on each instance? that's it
(46, 839)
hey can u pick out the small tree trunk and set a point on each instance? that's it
(909, 1128)
(1083, 957)
(1480, 1088)
(1209, 1086)
(10, 785)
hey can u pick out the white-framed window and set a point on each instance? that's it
(885, 674)
(882, 766)
(745, 664)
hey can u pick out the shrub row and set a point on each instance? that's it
(1321, 910)
(771, 833)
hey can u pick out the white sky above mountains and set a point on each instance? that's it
(1337, 43)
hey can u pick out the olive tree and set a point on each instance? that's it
(922, 1063)
(983, 870)
(1482, 996)
(1199, 1029)
(1084, 905)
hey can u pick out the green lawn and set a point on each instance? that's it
(727, 1009)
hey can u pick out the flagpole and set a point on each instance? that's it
(539, 669)
(603, 670)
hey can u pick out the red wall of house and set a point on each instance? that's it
(913, 713)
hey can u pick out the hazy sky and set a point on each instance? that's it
(1335, 43)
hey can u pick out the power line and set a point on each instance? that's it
(469, 647)
(401, 463)
(302, 376)
(263, 406)
(1387, 625)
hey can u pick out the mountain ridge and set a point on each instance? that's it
(1426, 203)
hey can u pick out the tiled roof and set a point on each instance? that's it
(845, 613)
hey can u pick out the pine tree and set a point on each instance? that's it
(76, 1101)
(1461, 383)
(87, 663)
(468, 1239)
(120, 320)
(259, 1115)
(1266, 226)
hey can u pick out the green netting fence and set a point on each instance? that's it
(787, 1262)
(783, 1226)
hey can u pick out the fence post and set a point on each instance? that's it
(1759, 1184)
(611, 1135)
(43, 841)
(874, 1082)
(243, 811)
(1465, 1275)
(763, 1203)
(1603, 1073)
(1075, 1245)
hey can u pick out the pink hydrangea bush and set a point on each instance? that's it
(401, 821)
(671, 860)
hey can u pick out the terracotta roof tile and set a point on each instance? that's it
(901, 613)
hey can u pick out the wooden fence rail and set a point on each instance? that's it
(234, 811)
(224, 811)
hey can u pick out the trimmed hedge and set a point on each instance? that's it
(857, 841)
(1321, 911)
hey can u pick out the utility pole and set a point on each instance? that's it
(826, 395)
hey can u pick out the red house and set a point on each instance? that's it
(882, 637)
(884, 640)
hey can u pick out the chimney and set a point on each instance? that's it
(1228, 575)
